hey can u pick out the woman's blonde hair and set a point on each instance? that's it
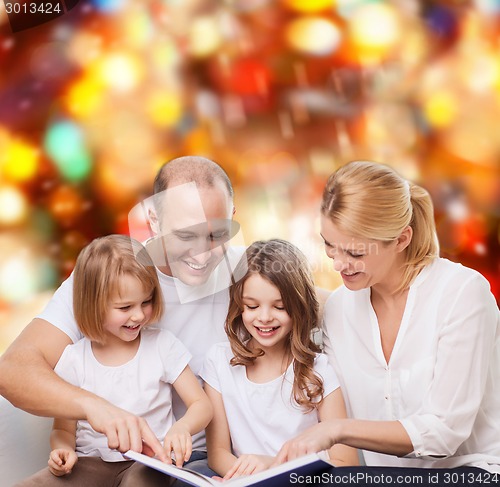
(370, 200)
(286, 267)
(96, 280)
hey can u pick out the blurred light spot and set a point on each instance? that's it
(310, 6)
(204, 36)
(121, 72)
(65, 204)
(64, 143)
(488, 6)
(84, 47)
(138, 29)
(374, 31)
(84, 97)
(313, 35)
(108, 5)
(17, 279)
(13, 206)
(20, 161)
(440, 108)
(165, 108)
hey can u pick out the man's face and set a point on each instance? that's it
(195, 224)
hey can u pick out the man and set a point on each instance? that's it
(192, 219)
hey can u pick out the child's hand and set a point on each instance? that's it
(178, 441)
(248, 465)
(61, 462)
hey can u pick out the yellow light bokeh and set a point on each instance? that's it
(84, 97)
(20, 161)
(440, 109)
(165, 108)
(310, 6)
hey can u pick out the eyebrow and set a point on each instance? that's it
(122, 303)
(255, 299)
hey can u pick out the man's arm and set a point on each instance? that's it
(28, 381)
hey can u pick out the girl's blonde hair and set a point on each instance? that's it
(96, 280)
(370, 200)
(284, 266)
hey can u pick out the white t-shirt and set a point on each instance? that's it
(198, 324)
(442, 381)
(141, 386)
(261, 417)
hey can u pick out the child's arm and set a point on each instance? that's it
(333, 407)
(62, 441)
(220, 456)
(198, 415)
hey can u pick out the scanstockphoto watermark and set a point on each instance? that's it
(425, 478)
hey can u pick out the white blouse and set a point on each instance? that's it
(442, 381)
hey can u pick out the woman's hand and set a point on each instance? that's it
(317, 438)
(248, 465)
(61, 461)
(178, 441)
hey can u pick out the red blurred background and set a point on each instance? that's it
(280, 93)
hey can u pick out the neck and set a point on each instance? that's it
(115, 352)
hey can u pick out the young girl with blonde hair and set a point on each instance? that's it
(269, 382)
(117, 297)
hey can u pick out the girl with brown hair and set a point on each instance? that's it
(269, 382)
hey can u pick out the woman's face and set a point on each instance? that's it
(362, 263)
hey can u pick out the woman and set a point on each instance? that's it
(414, 338)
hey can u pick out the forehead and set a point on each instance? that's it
(128, 286)
(334, 236)
(188, 204)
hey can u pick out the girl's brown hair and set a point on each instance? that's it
(284, 266)
(370, 200)
(96, 280)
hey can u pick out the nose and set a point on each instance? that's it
(138, 315)
(265, 315)
(341, 263)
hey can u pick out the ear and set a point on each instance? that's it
(234, 210)
(404, 239)
(153, 221)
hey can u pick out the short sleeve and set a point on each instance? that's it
(59, 311)
(326, 372)
(209, 372)
(174, 356)
(70, 365)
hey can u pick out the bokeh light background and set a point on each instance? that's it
(280, 93)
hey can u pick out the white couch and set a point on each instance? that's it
(24, 443)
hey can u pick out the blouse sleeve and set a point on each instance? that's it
(209, 372)
(174, 356)
(465, 351)
(327, 374)
(70, 364)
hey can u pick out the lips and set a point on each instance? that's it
(196, 267)
(268, 330)
(132, 327)
(349, 277)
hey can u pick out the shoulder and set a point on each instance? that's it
(221, 350)
(454, 276)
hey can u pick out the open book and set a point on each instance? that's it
(282, 475)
